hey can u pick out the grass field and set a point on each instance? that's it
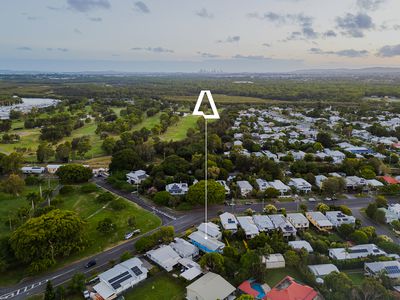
(88, 209)
(10, 203)
(357, 276)
(148, 122)
(178, 132)
(161, 286)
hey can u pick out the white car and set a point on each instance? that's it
(312, 199)
(328, 199)
(86, 294)
(128, 235)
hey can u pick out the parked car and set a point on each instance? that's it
(328, 199)
(312, 199)
(86, 294)
(248, 203)
(128, 235)
(90, 263)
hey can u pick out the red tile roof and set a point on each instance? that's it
(247, 289)
(390, 180)
(289, 289)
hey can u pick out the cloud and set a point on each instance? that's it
(305, 22)
(24, 48)
(266, 45)
(142, 7)
(88, 5)
(153, 49)
(57, 49)
(330, 33)
(230, 39)
(371, 5)
(389, 51)
(342, 53)
(203, 13)
(355, 25)
(207, 55)
(77, 31)
(250, 57)
(96, 19)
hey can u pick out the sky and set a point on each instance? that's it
(194, 35)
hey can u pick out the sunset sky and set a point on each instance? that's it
(189, 35)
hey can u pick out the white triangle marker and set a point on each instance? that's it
(196, 111)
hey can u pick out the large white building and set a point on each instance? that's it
(120, 278)
(177, 189)
(358, 251)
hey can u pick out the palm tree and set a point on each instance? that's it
(47, 194)
(33, 198)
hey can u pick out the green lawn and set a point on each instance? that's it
(10, 203)
(273, 276)
(88, 209)
(178, 131)
(357, 276)
(148, 122)
(161, 286)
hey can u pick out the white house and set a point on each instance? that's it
(338, 218)
(32, 170)
(280, 186)
(353, 182)
(300, 184)
(322, 270)
(136, 177)
(283, 225)
(337, 156)
(177, 189)
(118, 279)
(228, 221)
(184, 248)
(262, 184)
(248, 226)
(210, 286)
(52, 169)
(298, 245)
(395, 208)
(274, 261)
(244, 187)
(205, 243)
(390, 268)
(390, 216)
(211, 229)
(263, 223)
(164, 256)
(298, 220)
(358, 251)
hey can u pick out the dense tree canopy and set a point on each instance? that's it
(215, 192)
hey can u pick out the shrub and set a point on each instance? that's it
(118, 204)
(32, 180)
(89, 188)
(66, 189)
(105, 197)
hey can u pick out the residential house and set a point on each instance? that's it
(390, 268)
(319, 179)
(164, 256)
(290, 289)
(279, 186)
(263, 223)
(248, 226)
(118, 279)
(336, 155)
(390, 216)
(274, 261)
(177, 189)
(390, 180)
(298, 220)
(245, 187)
(184, 248)
(319, 220)
(283, 225)
(357, 251)
(191, 269)
(320, 271)
(210, 286)
(211, 229)
(395, 208)
(262, 184)
(205, 243)
(228, 221)
(353, 182)
(52, 169)
(33, 170)
(300, 184)
(136, 177)
(298, 245)
(338, 218)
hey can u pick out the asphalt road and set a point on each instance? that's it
(180, 221)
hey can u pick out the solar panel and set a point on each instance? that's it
(118, 277)
(117, 284)
(392, 269)
(358, 250)
(136, 270)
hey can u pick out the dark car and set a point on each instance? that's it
(90, 263)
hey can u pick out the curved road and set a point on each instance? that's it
(180, 221)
